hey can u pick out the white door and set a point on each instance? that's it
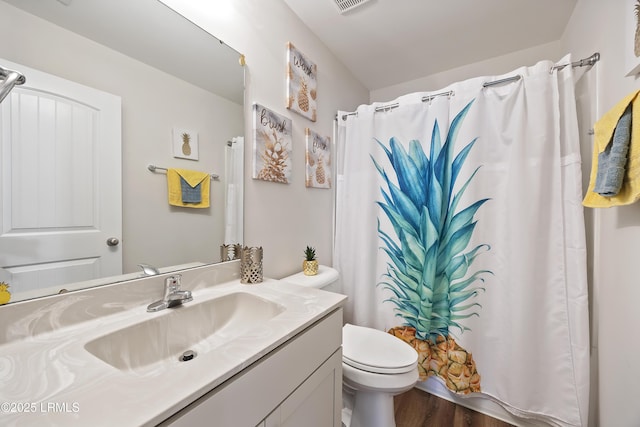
(60, 184)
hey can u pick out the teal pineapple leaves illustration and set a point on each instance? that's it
(429, 260)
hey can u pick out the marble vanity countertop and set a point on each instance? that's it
(51, 379)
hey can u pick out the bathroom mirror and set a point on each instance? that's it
(178, 97)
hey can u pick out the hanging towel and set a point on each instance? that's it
(190, 194)
(194, 181)
(616, 156)
(612, 162)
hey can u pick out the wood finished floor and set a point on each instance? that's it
(417, 408)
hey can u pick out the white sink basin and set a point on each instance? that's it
(196, 326)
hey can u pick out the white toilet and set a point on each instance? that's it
(375, 365)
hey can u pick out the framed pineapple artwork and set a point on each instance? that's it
(185, 144)
(301, 83)
(631, 43)
(318, 160)
(272, 145)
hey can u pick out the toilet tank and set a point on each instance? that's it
(327, 279)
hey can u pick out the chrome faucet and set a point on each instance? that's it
(173, 295)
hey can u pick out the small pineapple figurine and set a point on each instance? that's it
(186, 148)
(310, 264)
(303, 98)
(5, 295)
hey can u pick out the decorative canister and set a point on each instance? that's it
(230, 252)
(251, 265)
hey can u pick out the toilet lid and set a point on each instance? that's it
(376, 351)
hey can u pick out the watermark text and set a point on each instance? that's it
(39, 407)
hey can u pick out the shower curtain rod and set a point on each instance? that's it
(580, 63)
(585, 62)
(389, 107)
(9, 79)
(4, 72)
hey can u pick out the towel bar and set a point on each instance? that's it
(154, 168)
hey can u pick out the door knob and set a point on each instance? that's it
(112, 241)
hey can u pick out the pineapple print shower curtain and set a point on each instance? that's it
(459, 229)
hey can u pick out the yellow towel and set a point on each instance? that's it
(193, 178)
(630, 191)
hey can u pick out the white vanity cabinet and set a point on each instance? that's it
(314, 402)
(297, 384)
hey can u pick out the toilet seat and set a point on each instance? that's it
(375, 351)
(357, 379)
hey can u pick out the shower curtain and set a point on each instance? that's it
(459, 229)
(234, 170)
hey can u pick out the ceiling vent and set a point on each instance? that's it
(347, 5)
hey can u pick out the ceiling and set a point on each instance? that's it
(385, 42)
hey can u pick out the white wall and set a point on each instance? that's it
(153, 102)
(282, 218)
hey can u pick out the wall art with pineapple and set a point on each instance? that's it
(301, 83)
(631, 44)
(185, 144)
(272, 145)
(425, 235)
(318, 160)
